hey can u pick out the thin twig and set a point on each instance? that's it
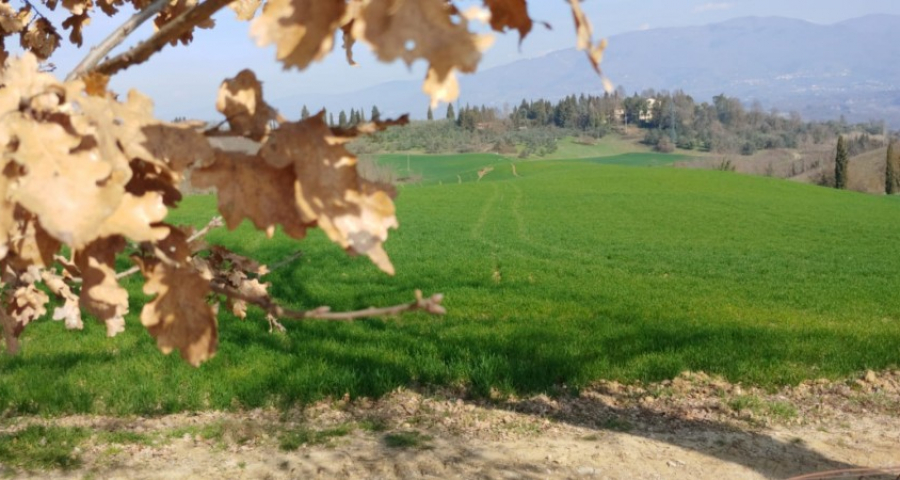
(169, 32)
(215, 222)
(284, 261)
(115, 38)
(430, 305)
(36, 11)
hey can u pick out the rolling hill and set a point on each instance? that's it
(820, 71)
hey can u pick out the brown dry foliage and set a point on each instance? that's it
(114, 170)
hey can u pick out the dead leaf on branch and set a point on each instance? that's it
(112, 167)
(429, 29)
(328, 189)
(29, 245)
(76, 23)
(221, 257)
(175, 147)
(179, 317)
(109, 6)
(40, 38)
(12, 21)
(101, 294)
(303, 176)
(70, 312)
(240, 100)
(77, 7)
(172, 11)
(586, 42)
(245, 9)
(248, 187)
(230, 270)
(302, 30)
(22, 304)
(510, 14)
(95, 84)
(82, 198)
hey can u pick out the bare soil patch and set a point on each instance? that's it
(694, 426)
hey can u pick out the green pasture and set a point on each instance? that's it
(572, 272)
(609, 146)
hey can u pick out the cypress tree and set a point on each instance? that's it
(450, 113)
(430, 114)
(890, 176)
(342, 119)
(376, 115)
(840, 164)
(304, 113)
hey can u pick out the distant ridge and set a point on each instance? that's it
(851, 68)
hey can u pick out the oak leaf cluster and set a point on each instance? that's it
(87, 178)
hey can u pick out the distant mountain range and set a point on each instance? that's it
(851, 68)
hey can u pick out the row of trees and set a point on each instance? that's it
(842, 166)
(344, 119)
(676, 119)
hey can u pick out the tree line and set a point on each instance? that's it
(666, 120)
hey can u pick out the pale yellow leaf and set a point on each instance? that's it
(302, 30)
(585, 41)
(245, 9)
(101, 294)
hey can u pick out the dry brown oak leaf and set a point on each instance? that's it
(510, 14)
(12, 21)
(101, 294)
(304, 177)
(40, 38)
(22, 306)
(302, 30)
(77, 24)
(179, 317)
(240, 100)
(247, 187)
(172, 11)
(355, 213)
(428, 29)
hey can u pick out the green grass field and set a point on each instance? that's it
(572, 272)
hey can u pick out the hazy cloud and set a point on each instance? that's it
(644, 26)
(708, 7)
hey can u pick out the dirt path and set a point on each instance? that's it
(693, 427)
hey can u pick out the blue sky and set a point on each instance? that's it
(184, 80)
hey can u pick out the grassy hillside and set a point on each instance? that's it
(571, 272)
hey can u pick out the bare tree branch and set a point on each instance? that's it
(430, 305)
(99, 51)
(169, 32)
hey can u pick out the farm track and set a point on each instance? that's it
(687, 428)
